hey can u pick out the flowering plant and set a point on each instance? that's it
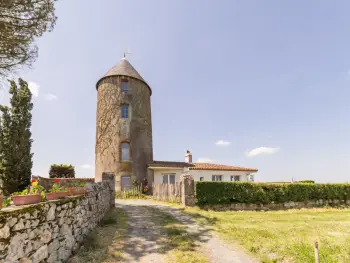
(34, 188)
(145, 189)
(57, 188)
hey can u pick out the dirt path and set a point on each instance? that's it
(145, 235)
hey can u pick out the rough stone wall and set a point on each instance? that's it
(112, 130)
(67, 182)
(266, 207)
(50, 231)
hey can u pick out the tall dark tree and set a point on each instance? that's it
(15, 139)
(21, 21)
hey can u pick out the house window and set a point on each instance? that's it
(235, 178)
(201, 179)
(168, 178)
(125, 86)
(125, 111)
(125, 151)
(217, 178)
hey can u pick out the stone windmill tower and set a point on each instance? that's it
(123, 125)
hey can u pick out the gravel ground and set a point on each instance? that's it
(145, 239)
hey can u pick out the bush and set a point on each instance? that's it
(62, 171)
(265, 193)
(307, 181)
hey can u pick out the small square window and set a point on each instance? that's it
(125, 111)
(201, 179)
(217, 178)
(235, 178)
(125, 87)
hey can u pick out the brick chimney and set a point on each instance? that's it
(188, 157)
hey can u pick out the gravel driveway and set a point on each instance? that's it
(145, 239)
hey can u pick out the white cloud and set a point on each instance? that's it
(222, 143)
(204, 160)
(86, 166)
(34, 88)
(50, 97)
(262, 150)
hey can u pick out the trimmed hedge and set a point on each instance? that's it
(62, 171)
(265, 193)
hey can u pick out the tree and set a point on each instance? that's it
(62, 171)
(21, 21)
(15, 139)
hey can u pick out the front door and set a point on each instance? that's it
(125, 182)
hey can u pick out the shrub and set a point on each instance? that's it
(306, 181)
(265, 193)
(62, 171)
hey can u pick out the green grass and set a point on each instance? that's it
(102, 245)
(284, 236)
(180, 244)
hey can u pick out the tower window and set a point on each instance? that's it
(125, 151)
(125, 111)
(125, 87)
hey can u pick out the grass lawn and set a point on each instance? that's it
(284, 236)
(102, 245)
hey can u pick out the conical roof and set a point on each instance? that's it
(124, 68)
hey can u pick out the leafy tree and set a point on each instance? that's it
(62, 171)
(15, 139)
(21, 21)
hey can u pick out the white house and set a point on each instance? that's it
(166, 172)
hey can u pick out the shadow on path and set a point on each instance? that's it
(146, 237)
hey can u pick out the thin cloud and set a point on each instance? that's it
(50, 97)
(204, 160)
(262, 150)
(222, 143)
(34, 88)
(86, 166)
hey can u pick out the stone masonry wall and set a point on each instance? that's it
(283, 206)
(51, 231)
(112, 130)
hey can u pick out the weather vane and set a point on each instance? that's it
(127, 52)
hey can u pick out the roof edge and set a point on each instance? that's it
(110, 76)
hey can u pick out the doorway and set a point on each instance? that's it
(125, 182)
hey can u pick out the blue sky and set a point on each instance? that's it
(271, 78)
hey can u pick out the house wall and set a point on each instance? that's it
(207, 174)
(226, 175)
(158, 175)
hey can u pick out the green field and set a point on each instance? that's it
(284, 236)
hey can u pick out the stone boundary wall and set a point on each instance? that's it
(51, 231)
(67, 182)
(267, 207)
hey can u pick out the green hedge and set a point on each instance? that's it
(62, 171)
(265, 193)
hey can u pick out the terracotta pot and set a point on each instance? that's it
(26, 199)
(56, 195)
(77, 191)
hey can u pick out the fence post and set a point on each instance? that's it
(317, 260)
(187, 190)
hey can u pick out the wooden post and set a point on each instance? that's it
(317, 260)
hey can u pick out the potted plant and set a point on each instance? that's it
(77, 189)
(57, 191)
(31, 196)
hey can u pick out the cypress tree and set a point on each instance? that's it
(15, 139)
